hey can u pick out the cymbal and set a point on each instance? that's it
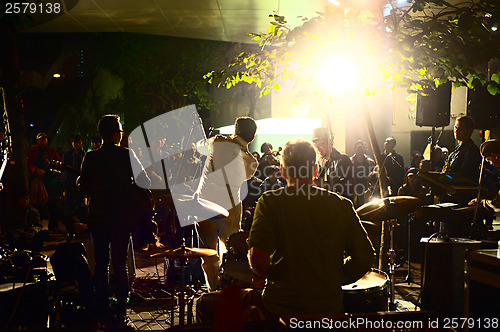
(193, 205)
(389, 208)
(185, 252)
(200, 206)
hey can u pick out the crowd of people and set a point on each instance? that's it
(355, 177)
(291, 200)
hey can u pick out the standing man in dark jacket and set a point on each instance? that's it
(392, 166)
(466, 159)
(362, 167)
(106, 178)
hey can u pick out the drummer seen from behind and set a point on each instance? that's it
(299, 238)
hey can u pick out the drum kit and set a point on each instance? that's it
(387, 210)
(368, 294)
(184, 295)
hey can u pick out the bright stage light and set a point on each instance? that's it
(338, 75)
(280, 126)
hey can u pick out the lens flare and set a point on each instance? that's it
(338, 75)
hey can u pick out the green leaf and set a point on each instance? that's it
(496, 77)
(492, 89)
(276, 86)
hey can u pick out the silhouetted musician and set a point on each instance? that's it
(465, 161)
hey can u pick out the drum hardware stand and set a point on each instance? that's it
(182, 300)
(192, 236)
(183, 297)
(409, 278)
(392, 264)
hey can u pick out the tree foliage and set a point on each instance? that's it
(159, 73)
(418, 45)
(436, 41)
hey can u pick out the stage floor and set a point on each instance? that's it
(152, 310)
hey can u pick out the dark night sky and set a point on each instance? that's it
(38, 52)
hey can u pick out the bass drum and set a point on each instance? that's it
(235, 267)
(368, 294)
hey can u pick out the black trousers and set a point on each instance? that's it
(104, 238)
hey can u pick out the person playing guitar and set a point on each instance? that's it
(39, 160)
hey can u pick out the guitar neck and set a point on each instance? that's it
(59, 167)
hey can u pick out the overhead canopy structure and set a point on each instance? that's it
(225, 20)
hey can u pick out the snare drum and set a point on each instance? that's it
(235, 267)
(368, 294)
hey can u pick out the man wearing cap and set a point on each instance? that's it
(335, 168)
(39, 160)
(412, 185)
(40, 156)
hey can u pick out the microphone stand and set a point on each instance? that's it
(394, 159)
(392, 259)
(409, 278)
